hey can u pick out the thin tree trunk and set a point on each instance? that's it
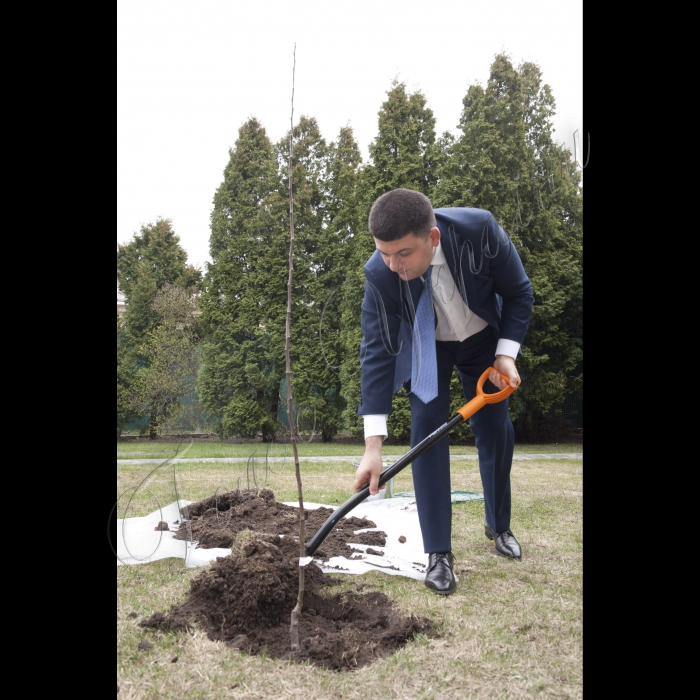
(153, 424)
(296, 613)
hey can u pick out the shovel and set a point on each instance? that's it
(469, 409)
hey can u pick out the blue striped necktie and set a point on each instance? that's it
(424, 369)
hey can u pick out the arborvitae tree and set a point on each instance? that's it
(490, 158)
(549, 225)
(158, 246)
(244, 301)
(505, 161)
(145, 265)
(404, 154)
(343, 216)
(339, 191)
(313, 251)
(360, 248)
(323, 180)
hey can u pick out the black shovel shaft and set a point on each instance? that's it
(394, 469)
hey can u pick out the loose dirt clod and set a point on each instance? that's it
(246, 598)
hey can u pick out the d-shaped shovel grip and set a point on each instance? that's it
(481, 399)
(469, 409)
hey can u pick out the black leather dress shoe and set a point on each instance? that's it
(440, 577)
(506, 544)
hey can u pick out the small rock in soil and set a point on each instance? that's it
(239, 642)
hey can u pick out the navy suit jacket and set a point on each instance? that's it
(489, 275)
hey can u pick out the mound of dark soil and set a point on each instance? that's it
(215, 522)
(246, 598)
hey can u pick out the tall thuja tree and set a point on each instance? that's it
(312, 380)
(158, 247)
(244, 300)
(343, 222)
(403, 151)
(403, 154)
(145, 265)
(549, 224)
(325, 221)
(489, 159)
(340, 224)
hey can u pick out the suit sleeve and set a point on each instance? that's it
(511, 283)
(381, 325)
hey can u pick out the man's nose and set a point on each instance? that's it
(394, 263)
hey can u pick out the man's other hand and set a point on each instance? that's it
(505, 365)
(370, 467)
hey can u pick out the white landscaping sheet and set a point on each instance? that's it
(139, 542)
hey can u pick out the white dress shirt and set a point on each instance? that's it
(455, 321)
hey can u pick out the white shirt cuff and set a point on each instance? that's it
(507, 347)
(376, 425)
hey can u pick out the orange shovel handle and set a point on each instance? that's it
(481, 399)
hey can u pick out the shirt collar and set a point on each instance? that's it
(439, 257)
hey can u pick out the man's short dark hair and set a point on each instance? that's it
(400, 212)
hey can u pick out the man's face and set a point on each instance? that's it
(410, 256)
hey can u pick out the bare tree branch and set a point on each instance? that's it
(296, 613)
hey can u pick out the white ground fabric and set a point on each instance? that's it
(138, 542)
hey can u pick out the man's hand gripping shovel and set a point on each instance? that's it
(469, 409)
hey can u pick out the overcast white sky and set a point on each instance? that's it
(189, 74)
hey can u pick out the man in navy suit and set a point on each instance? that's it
(481, 301)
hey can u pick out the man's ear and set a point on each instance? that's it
(434, 236)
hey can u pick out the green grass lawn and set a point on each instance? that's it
(145, 449)
(512, 630)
